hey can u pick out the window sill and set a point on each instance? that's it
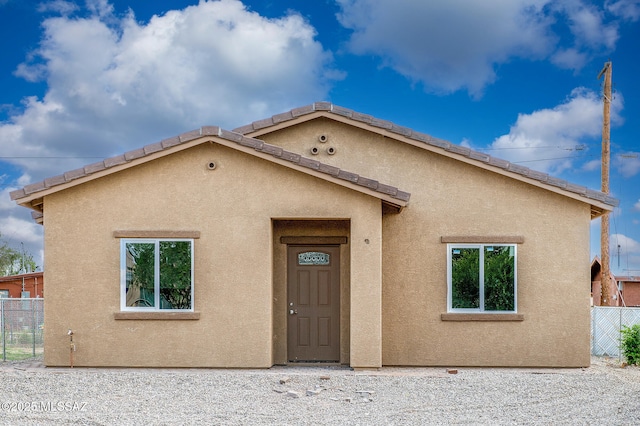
(450, 316)
(156, 315)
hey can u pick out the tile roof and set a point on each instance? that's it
(237, 138)
(330, 109)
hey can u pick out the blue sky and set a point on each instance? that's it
(82, 81)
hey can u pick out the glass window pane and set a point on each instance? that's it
(175, 275)
(140, 274)
(465, 278)
(499, 278)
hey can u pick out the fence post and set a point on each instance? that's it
(4, 334)
(33, 328)
(594, 318)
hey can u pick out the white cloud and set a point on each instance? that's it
(627, 9)
(629, 251)
(547, 139)
(457, 44)
(446, 45)
(636, 206)
(58, 6)
(628, 164)
(592, 165)
(115, 84)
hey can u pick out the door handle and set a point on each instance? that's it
(293, 311)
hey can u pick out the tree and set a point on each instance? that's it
(13, 262)
(175, 272)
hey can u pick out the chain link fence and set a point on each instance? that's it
(21, 328)
(606, 323)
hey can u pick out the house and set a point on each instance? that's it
(613, 295)
(317, 235)
(623, 290)
(630, 290)
(22, 285)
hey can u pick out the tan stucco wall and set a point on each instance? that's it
(451, 198)
(232, 207)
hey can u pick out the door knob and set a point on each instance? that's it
(293, 311)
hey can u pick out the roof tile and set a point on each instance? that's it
(34, 187)
(387, 189)
(439, 143)
(232, 136)
(261, 124)
(330, 170)
(365, 118)
(188, 136)
(115, 161)
(368, 183)
(351, 177)
(210, 130)
(309, 163)
(136, 153)
(151, 148)
(503, 164)
(55, 180)
(297, 112)
(404, 196)
(95, 167)
(274, 150)
(516, 168)
(290, 156)
(279, 118)
(18, 193)
(383, 124)
(404, 131)
(457, 149)
(578, 189)
(342, 111)
(243, 130)
(560, 183)
(534, 174)
(74, 174)
(322, 106)
(480, 156)
(251, 143)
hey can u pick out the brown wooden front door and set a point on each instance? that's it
(313, 303)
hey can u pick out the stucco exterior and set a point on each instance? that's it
(393, 275)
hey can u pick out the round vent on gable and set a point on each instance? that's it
(331, 150)
(323, 138)
(211, 165)
(315, 150)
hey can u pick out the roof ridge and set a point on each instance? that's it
(527, 172)
(238, 138)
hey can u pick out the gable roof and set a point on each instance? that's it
(32, 195)
(599, 201)
(245, 139)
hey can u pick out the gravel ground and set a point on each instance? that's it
(606, 393)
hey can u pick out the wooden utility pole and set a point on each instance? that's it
(606, 154)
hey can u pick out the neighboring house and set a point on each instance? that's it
(623, 290)
(613, 295)
(630, 290)
(23, 285)
(316, 235)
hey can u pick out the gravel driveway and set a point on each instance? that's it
(602, 394)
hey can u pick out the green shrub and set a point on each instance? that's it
(630, 344)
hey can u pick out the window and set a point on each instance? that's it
(156, 274)
(482, 278)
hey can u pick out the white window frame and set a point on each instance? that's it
(156, 289)
(481, 248)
